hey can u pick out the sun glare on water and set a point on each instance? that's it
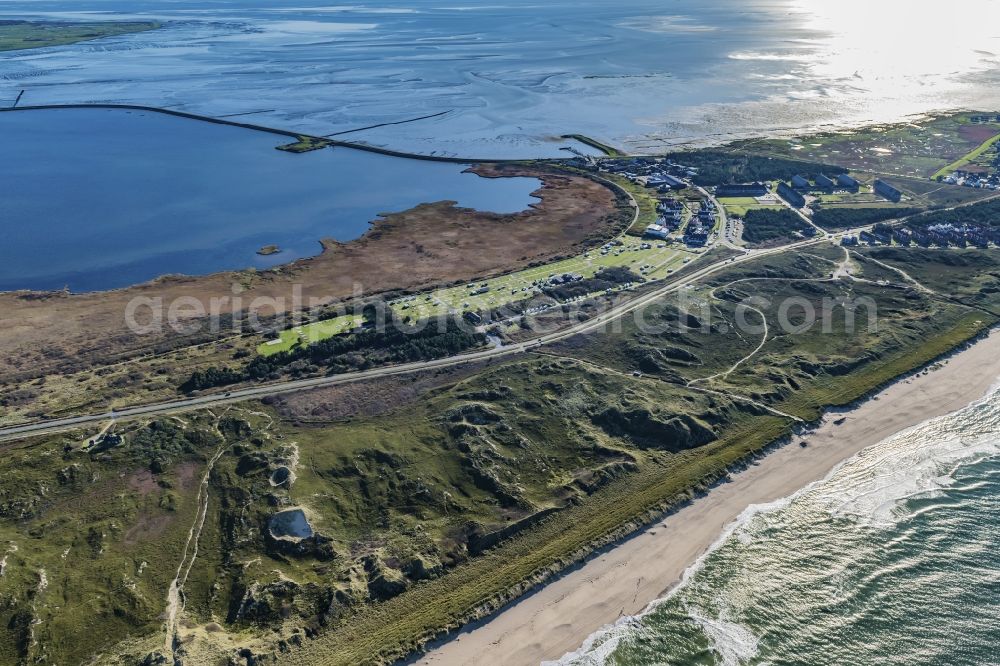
(882, 60)
(884, 42)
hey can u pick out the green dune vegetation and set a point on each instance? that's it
(305, 144)
(716, 167)
(971, 157)
(851, 218)
(766, 227)
(353, 523)
(608, 150)
(407, 506)
(15, 35)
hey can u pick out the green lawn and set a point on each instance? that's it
(654, 263)
(864, 196)
(739, 206)
(309, 333)
(645, 197)
(657, 262)
(660, 262)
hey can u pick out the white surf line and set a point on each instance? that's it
(175, 594)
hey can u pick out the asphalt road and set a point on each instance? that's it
(278, 388)
(724, 237)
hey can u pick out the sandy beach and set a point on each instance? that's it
(559, 617)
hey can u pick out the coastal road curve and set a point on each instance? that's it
(724, 219)
(238, 395)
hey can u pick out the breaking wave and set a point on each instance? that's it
(891, 558)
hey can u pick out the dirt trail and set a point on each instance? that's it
(175, 594)
(906, 276)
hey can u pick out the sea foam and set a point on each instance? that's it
(870, 491)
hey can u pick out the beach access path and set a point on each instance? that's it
(623, 580)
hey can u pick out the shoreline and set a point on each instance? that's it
(487, 169)
(622, 580)
(334, 143)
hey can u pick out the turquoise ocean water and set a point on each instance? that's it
(892, 559)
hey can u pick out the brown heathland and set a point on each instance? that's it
(977, 135)
(432, 244)
(366, 399)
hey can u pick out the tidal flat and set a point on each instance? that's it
(511, 78)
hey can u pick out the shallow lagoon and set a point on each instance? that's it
(97, 199)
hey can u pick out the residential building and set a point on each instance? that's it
(657, 231)
(786, 192)
(884, 189)
(696, 236)
(741, 190)
(706, 215)
(883, 232)
(669, 205)
(846, 181)
(902, 236)
(666, 180)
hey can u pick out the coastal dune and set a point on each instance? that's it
(621, 581)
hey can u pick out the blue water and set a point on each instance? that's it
(291, 523)
(893, 559)
(513, 76)
(98, 199)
